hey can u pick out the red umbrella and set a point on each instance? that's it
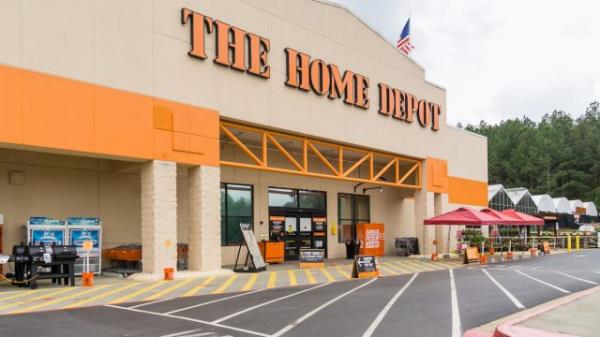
(526, 219)
(503, 218)
(463, 216)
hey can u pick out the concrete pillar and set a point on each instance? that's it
(159, 216)
(425, 234)
(204, 223)
(441, 232)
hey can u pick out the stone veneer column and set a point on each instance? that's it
(159, 216)
(441, 232)
(424, 233)
(204, 220)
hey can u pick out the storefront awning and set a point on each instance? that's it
(525, 218)
(463, 216)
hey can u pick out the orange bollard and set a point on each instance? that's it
(169, 274)
(434, 255)
(483, 259)
(87, 279)
(533, 251)
(509, 255)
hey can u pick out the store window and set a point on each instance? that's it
(283, 197)
(353, 209)
(236, 208)
(312, 199)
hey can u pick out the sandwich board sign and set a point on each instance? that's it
(253, 252)
(312, 258)
(365, 266)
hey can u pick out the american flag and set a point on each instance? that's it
(404, 41)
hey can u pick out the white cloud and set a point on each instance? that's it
(499, 59)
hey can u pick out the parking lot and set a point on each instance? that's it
(436, 303)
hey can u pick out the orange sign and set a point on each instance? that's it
(471, 255)
(87, 245)
(371, 238)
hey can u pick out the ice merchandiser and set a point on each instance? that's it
(44, 231)
(86, 229)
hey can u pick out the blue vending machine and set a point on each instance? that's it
(80, 230)
(44, 231)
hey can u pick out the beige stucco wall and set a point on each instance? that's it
(79, 39)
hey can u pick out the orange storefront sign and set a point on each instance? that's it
(371, 237)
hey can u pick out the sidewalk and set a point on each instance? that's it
(575, 315)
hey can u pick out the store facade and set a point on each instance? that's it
(295, 115)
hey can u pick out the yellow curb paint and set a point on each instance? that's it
(169, 290)
(59, 299)
(419, 266)
(45, 296)
(272, 280)
(225, 285)
(138, 292)
(199, 287)
(309, 276)
(101, 296)
(292, 277)
(328, 275)
(250, 282)
(342, 272)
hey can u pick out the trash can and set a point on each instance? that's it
(352, 248)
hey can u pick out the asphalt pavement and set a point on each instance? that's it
(430, 304)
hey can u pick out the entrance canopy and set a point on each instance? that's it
(526, 219)
(463, 216)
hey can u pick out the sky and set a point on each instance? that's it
(499, 59)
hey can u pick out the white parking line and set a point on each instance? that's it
(319, 308)
(387, 308)
(506, 292)
(456, 325)
(575, 278)
(151, 302)
(267, 303)
(189, 319)
(544, 282)
(211, 302)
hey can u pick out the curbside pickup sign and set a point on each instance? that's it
(365, 266)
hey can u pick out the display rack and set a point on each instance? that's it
(83, 229)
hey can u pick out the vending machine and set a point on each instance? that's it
(81, 230)
(44, 231)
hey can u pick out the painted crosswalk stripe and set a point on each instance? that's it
(397, 269)
(327, 274)
(272, 280)
(419, 266)
(576, 278)
(59, 299)
(342, 272)
(309, 276)
(387, 308)
(225, 285)
(23, 293)
(402, 267)
(169, 290)
(388, 270)
(138, 292)
(435, 265)
(199, 287)
(37, 298)
(213, 301)
(101, 296)
(292, 278)
(250, 283)
(543, 282)
(504, 290)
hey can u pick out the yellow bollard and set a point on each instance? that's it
(568, 243)
(577, 242)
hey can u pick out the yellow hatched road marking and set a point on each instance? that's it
(292, 276)
(309, 276)
(21, 294)
(101, 296)
(401, 267)
(329, 277)
(197, 288)
(435, 265)
(388, 270)
(250, 282)
(272, 280)
(169, 289)
(138, 292)
(59, 299)
(342, 272)
(450, 264)
(419, 266)
(50, 294)
(225, 285)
